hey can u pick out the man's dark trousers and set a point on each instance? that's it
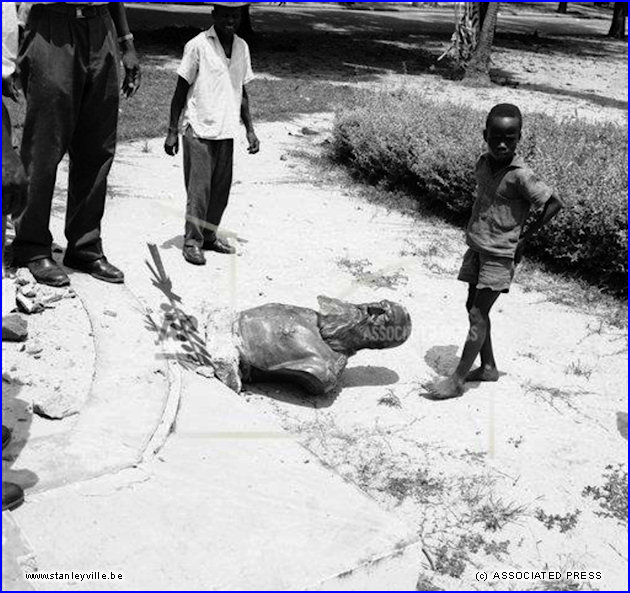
(208, 176)
(69, 69)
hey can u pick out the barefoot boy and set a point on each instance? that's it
(506, 190)
(211, 94)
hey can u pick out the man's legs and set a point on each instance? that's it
(199, 168)
(52, 86)
(220, 190)
(93, 142)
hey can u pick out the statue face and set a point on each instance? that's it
(387, 324)
(348, 328)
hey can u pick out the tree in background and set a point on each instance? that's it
(618, 25)
(471, 43)
(562, 7)
(478, 68)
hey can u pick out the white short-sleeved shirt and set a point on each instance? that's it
(9, 38)
(213, 106)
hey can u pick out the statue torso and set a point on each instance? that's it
(283, 342)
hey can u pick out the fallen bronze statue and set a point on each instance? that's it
(283, 343)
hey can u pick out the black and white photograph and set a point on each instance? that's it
(314, 296)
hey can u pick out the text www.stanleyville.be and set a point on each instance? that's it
(79, 577)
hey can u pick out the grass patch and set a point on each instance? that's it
(418, 485)
(390, 399)
(563, 522)
(495, 514)
(362, 274)
(147, 114)
(453, 559)
(613, 495)
(406, 142)
(564, 585)
(580, 369)
(555, 397)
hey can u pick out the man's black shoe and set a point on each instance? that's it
(100, 269)
(12, 496)
(46, 271)
(193, 255)
(219, 246)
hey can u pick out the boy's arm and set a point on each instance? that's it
(246, 117)
(171, 144)
(551, 208)
(130, 61)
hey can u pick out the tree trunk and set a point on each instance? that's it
(562, 7)
(483, 11)
(618, 25)
(478, 69)
(246, 30)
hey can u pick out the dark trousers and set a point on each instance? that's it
(208, 178)
(69, 70)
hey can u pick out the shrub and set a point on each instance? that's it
(403, 141)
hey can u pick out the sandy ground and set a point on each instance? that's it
(471, 475)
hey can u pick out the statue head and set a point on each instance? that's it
(348, 328)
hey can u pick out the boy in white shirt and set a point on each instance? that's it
(210, 100)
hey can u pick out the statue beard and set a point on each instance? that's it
(348, 328)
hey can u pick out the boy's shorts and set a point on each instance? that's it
(487, 271)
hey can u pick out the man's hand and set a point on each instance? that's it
(171, 144)
(10, 88)
(14, 180)
(518, 256)
(131, 63)
(254, 143)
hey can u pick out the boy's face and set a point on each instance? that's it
(502, 137)
(226, 20)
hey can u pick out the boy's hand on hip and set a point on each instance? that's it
(131, 63)
(171, 144)
(254, 143)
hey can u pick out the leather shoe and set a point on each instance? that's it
(193, 255)
(219, 246)
(46, 271)
(12, 496)
(100, 269)
(6, 436)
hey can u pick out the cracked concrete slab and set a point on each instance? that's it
(231, 503)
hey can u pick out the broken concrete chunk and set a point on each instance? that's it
(222, 349)
(14, 329)
(28, 306)
(34, 348)
(24, 278)
(55, 405)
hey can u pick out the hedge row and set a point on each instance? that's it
(403, 141)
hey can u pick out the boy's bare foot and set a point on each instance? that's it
(489, 374)
(445, 388)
